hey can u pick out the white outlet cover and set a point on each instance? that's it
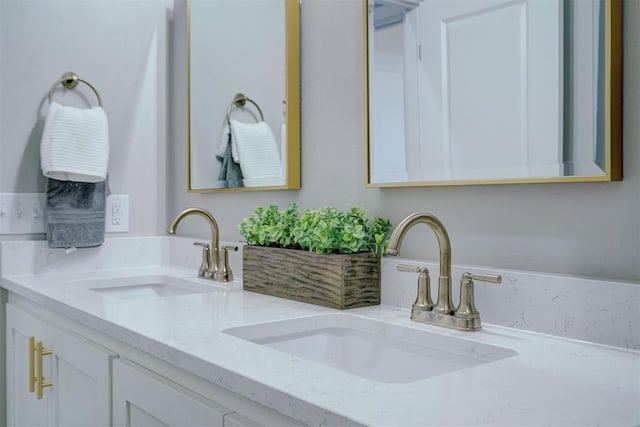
(117, 214)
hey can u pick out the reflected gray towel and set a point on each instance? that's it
(230, 175)
(75, 213)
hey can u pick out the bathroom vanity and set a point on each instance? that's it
(138, 339)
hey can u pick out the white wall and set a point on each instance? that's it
(587, 229)
(119, 46)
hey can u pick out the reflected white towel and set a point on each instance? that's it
(224, 140)
(258, 153)
(75, 144)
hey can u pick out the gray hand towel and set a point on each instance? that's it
(75, 213)
(230, 175)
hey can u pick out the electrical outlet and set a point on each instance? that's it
(117, 214)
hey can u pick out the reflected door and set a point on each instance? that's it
(490, 89)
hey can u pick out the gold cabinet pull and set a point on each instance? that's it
(32, 367)
(41, 353)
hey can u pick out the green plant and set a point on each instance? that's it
(270, 226)
(322, 230)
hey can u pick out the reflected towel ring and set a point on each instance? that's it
(239, 101)
(70, 81)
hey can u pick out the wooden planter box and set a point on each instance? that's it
(336, 281)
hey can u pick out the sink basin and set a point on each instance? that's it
(369, 348)
(130, 288)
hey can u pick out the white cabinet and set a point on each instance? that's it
(143, 398)
(92, 386)
(78, 371)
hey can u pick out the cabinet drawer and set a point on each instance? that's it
(144, 398)
(238, 420)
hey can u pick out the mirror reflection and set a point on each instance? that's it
(243, 94)
(489, 91)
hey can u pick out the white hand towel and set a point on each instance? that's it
(75, 144)
(258, 153)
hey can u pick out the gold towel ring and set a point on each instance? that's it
(239, 101)
(70, 81)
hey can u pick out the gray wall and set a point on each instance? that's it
(586, 229)
(119, 46)
(124, 48)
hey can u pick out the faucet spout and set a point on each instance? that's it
(173, 226)
(444, 305)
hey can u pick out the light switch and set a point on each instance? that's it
(22, 213)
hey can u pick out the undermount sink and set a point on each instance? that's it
(130, 288)
(369, 348)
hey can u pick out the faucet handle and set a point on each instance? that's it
(225, 274)
(467, 308)
(206, 257)
(491, 278)
(423, 300)
(410, 268)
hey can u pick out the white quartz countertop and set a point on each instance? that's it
(551, 381)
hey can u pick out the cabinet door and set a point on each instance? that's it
(143, 398)
(81, 391)
(480, 50)
(23, 409)
(79, 371)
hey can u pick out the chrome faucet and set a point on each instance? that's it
(210, 267)
(463, 317)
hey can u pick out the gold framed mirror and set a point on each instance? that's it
(243, 95)
(492, 92)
